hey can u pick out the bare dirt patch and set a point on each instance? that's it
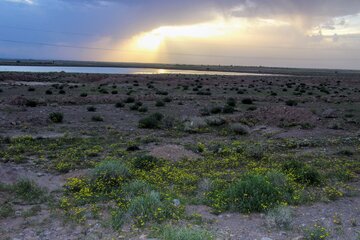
(173, 153)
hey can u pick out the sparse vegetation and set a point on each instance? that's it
(152, 121)
(56, 117)
(171, 175)
(97, 118)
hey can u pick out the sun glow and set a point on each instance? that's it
(155, 45)
(152, 40)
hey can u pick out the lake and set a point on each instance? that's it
(119, 70)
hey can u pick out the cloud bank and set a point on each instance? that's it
(271, 24)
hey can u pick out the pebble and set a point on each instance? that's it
(176, 202)
(266, 238)
(298, 238)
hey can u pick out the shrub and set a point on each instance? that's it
(157, 116)
(145, 162)
(184, 233)
(143, 109)
(31, 103)
(215, 121)
(303, 172)
(247, 101)
(146, 207)
(231, 102)
(48, 92)
(162, 93)
(103, 91)
(31, 89)
(256, 193)
(252, 108)
(97, 118)
(56, 117)
(215, 110)
(61, 92)
(6, 210)
(228, 109)
(29, 192)
(195, 124)
(136, 188)
(83, 95)
(153, 121)
(134, 107)
(291, 103)
(239, 129)
(317, 232)
(143, 209)
(256, 151)
(204, 112)
(91, 109)
(280, 217)
(119, 105)
(111, 172)
(167, 99)
(129, 100)
(114, 92)
(159, 103)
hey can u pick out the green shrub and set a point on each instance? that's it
(91, 109)
(6, 210)
(143, 109)
(184, 233)
(159, 103)
(31, 103)
(145, 208)
(153, 121)
(83, 94)
(97, 118)
(111, 173)
(129, 100)
(280, 217)
(215, 110)
(29, 192)
(256, 193)
(167, 99)
(303, 172)
(134, 107)
(291, 103)
(119, 105)
(317, 232)
(56, 117)
(145, 162)
(204, 112)
(136, 188)
(231, 102)
(228, 109)
(239, 129)
(247, 101)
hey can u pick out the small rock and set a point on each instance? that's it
(40, 174)
(266, 238)
(298, 238)
(176, 202)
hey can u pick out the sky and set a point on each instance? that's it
(279, 33)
